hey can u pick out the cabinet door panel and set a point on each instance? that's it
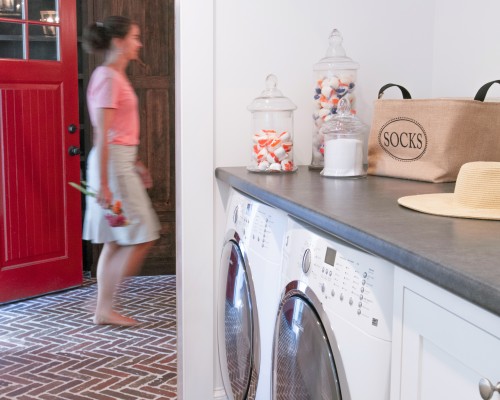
(443, 355)
(442, 375)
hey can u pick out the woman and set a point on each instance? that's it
(113, 170)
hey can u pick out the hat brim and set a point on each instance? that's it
(444, 204)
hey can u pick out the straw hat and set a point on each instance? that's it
(477, 194)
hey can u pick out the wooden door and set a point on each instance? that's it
(40, 216)
(154, 85)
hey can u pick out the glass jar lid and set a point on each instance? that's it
(343, 123)
(271, 99)
(335, 57)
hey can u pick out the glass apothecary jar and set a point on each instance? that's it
(272, 131)
(345, 144)
(335, 78)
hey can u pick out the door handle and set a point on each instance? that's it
(74, 151)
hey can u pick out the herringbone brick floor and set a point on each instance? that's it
(50, 350)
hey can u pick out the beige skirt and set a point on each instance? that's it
(125, 185)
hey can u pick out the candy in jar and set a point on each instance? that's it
(272, 131)
(335, 79)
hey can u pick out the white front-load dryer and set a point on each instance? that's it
(333, 329)
(249, 292)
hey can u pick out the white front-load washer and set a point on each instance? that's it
(333, 329)
(249, 292)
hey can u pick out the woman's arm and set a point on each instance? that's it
(104, 118)
(143, 172)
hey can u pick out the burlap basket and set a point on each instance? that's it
(430, 139)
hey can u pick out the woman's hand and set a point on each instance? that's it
(143, 172)
(104, 196)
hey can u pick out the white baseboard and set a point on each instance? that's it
(220, 394)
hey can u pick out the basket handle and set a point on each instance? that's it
(406, 93)
(481, 93)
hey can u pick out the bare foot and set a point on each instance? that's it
(114, 319)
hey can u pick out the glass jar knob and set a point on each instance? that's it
(271, 81)
(335, 48)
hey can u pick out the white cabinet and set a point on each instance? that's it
(442, 344)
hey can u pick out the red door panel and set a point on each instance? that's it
(33, 179)
(40, 217)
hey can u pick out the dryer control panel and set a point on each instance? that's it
(349, 282)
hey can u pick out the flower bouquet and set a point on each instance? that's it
(115, 216)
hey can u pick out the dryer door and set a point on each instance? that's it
(303, 365)
(235, 323)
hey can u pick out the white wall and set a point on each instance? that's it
(287, 37)
(225, 49)
(466, 49)
(194, 196)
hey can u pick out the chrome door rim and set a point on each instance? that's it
(233, 238)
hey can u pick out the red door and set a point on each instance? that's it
(40, 217)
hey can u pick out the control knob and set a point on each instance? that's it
(306, 261)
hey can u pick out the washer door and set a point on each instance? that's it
(235, 323)
(303, 364)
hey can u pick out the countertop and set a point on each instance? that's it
(459, 255)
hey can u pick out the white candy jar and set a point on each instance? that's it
(335, 78)
(344, 144)
(272, 131)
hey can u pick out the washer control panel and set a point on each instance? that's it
(349, 282)
(260, 226)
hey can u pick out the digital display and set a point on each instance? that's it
(330, 256)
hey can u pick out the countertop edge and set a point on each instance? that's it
(478, 293)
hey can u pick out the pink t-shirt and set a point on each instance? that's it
(110, 89)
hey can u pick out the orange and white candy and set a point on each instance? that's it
(287, 146)
(275, 167)
(262, 154)
(287, 165)
(271, 157)
(285, 136)
(271, 150)
(263, 166)
(280, 153)
(263, 141)
(273, 144)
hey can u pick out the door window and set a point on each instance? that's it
(29, 30)
(303, 365)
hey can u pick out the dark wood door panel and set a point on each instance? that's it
(157, 148)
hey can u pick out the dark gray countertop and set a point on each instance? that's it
(460, 255)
